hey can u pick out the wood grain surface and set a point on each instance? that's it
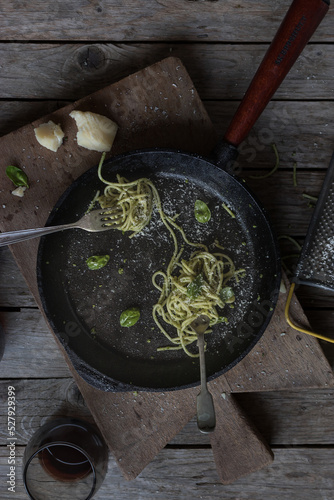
(53, 54)
(134, 436)
(194, 20)
(156, 481)
(219, 71)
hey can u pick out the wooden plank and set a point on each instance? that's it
(71, 71)
(236, 432)
(14, 291)
(284, 418)
(38, 400)
(16, 114)
(132, 459)
(180, 103)
(282, 358)
(302, 131)
(302, 473)
(56, 399)
(262, 369)
(288, 208)
(289, 211)
(163, 125)
(297, 474)
(269, 480)
(318, 304)
(294, 417)
(286, 204)
(279, 358)
(142, 424)
(322, 322)
(147, 20)
(26, 332)
(62, 398)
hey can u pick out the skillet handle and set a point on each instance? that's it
(299, 24)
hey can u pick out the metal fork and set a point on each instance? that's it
(206, 416)
(94, 221)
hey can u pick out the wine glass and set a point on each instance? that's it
(66, 458)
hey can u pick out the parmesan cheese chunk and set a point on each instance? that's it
(95, 132)
(19, 191)
(49, 135)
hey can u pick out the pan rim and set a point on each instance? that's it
(92, 375)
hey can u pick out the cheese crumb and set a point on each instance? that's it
(19, 191)
(95, 132)
(49, 135)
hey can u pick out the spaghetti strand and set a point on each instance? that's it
(189, 287)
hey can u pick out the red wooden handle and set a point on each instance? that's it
(299, 24)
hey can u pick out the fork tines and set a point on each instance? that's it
(111, 214)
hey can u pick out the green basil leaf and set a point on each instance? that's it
(227, 294)
(97, 261)
(195, 287)
(129, 317)
(17, 176)
(202, 212)
(222, 319)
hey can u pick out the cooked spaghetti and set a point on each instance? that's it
(134, 199)
(199, 287)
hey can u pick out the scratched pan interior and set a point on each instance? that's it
(83, 306)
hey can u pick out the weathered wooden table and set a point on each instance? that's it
(54, 53)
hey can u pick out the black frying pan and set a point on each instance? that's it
(83, 306)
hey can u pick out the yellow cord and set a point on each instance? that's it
(298, 328)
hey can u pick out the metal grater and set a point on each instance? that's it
(316, 262)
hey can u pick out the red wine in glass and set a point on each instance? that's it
(65, 463)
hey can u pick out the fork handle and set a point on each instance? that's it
(27, 234)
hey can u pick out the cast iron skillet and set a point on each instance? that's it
(83, 306)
